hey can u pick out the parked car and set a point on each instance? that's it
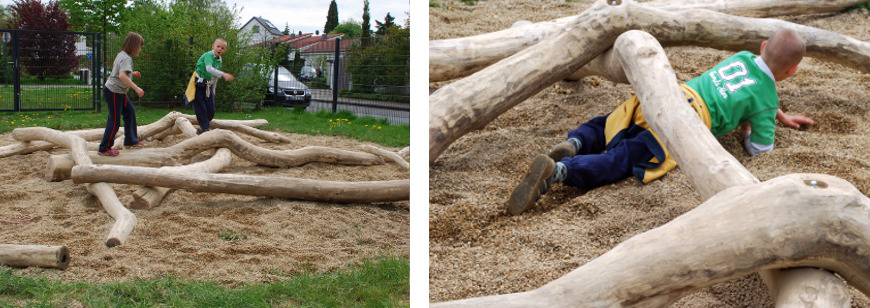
(291, 92)
(307, 73)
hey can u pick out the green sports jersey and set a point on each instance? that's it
(206, 59)
(737, 90)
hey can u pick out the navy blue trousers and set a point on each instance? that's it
(591, 168)
(203, 107)
(118, 104)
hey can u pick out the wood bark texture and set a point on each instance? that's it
(289, 188)
(148, 197)
(34, 255)
(783, 222)
(388, 155)
(454, 58)
(125, 221)
(60, 165)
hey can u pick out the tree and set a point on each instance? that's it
(103, 17)
(366, 36)
(382, 67)
(44, 55)
(5, 17)
(331, 18)
(298, 63)
(350, 28)
(382, 27)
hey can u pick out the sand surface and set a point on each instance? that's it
(475, 249)
(181, 237)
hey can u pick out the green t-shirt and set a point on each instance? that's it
(738, 90)
(206, 59)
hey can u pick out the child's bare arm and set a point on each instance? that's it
(125, 78)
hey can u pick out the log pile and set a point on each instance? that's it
(159, 170)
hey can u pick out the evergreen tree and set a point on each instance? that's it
(298, 63)
(286, 29)
(331, 18)
(382, 27)
(365, 37)
(44, 55)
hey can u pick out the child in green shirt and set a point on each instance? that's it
(204, 81)
(738, 92)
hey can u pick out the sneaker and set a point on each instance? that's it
(200, 130)
(567, 148)
(109, 152)
(536, 183)
(138, 144)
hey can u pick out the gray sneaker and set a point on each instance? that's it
(536, 183)
(567, 148)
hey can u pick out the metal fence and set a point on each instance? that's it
(330, 86)
(49, 70)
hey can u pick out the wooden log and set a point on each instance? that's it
(454, 58)
(218, 138)
(405, 152)
(387, 154)
(148, 197)
(472, 102)
(278, 187)
(34, 255)
(701, 158)
(125, 221)
(779, 223)
(466, 105)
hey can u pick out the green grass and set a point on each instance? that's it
(865, 5)
(342, 123)
(377, 282)
(48, 97)
(434, 4)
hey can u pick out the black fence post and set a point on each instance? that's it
(16, 72)
(335, 75)
(98, 73)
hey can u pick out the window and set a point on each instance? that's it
(256, 29)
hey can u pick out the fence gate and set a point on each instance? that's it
(49, 70)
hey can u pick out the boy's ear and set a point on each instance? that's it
(762, 47)
(791, 71)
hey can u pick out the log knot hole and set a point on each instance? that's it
(809, 294)
(816, 184)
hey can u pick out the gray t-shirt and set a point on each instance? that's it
(123, 63)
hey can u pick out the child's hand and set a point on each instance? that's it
(228, 77)
(139, 91)
(137, 74)
(795, 120)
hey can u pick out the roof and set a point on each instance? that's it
(306, 41)
(324, 46)
(266, 25)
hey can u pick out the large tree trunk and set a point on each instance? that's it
(701, 158)
(34, 255)
(148, 197)
(775, 224)
(454, 58)
(289, 188)
(59, 166)
(472, 102)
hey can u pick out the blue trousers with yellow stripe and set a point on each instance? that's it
(591, 168)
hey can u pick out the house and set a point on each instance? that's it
(260, 30)
(318, 51)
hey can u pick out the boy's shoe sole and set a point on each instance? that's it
(562, 150)
(138, 144)
(532, 185)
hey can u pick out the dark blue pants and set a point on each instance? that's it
(118, 104)
(590, 168)
(203, 107)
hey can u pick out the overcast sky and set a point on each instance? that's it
(310, 15)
